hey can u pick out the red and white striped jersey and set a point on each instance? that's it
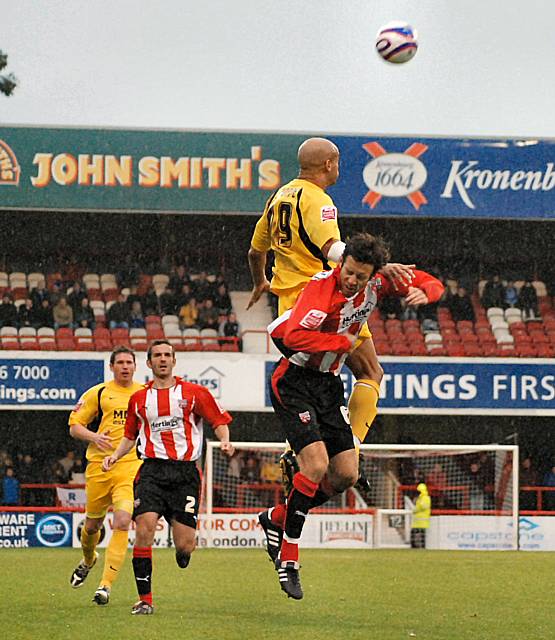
(169, 422)
(313, 333)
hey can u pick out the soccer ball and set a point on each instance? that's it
(396, 42)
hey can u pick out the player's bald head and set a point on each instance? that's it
(315, 152)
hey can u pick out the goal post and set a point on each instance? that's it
(473, 489)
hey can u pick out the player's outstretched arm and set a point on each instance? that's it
(257, 267)
(222, 433)
(399, 274)
(124, 447)
(102, 440)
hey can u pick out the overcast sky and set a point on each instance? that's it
(484, 67)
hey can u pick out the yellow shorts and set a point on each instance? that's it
(110, 488)
(287, 299)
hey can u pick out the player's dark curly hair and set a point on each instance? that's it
(367, 249)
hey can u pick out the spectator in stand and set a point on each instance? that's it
(222, 300)
(208, 315)
(67, 462)
(77, 473)
(63, 314)
(528, 477)
(84, 315)
(39, 293)
(128, 274)
(151, 305)
(55, 294)
(168, 302)
(77, 295)
(230, 328)
(477, 486)
(250, 471)
(460, 306)
(179, 278)
(10, 488)
(549, 496)
(136, 317)
(8, 312)
(201, 287)
(26, 314)
(43, 315)
(494, 293)
(134, 297)
(188, 314)
(511, 295)
(528, 301)
(118, 314)
(184, 295)
(436, 481)
(391, 309)
(26, 474)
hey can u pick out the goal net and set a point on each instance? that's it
(464, 483)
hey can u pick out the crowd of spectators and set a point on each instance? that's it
(23, 469)
(199, 301)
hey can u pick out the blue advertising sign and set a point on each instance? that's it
(446, 177)
(49, 383)
(35, 529)
(462, 386)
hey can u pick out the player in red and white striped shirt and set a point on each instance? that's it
(307, 393)
(167, 418)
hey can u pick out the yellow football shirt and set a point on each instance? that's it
(105, 404)
(298, 220)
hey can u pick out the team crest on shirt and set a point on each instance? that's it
(313, 319)
(182, 403)
(305, 417)
(328, 212)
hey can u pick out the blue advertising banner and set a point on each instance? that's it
(462, 386)
(446, 177)
(46, 383)
(35, 529)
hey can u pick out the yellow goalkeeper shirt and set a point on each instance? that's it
(298, 220)
(104, 408)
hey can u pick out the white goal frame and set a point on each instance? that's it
(513, 449)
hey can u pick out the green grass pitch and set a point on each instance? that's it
(234, 594)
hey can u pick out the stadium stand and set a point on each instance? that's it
(498, 331)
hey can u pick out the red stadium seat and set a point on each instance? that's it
(418, 349)
(29, 344)
(103, 344)
(154, 333)
(454, 350)
(400, 349)
(472, 350)
(383, 348)
(47, 344)
(65, 344)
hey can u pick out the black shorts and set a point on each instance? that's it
(311, 407)
(169, 488)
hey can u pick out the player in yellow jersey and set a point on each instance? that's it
(99, 419)
(299, 225)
